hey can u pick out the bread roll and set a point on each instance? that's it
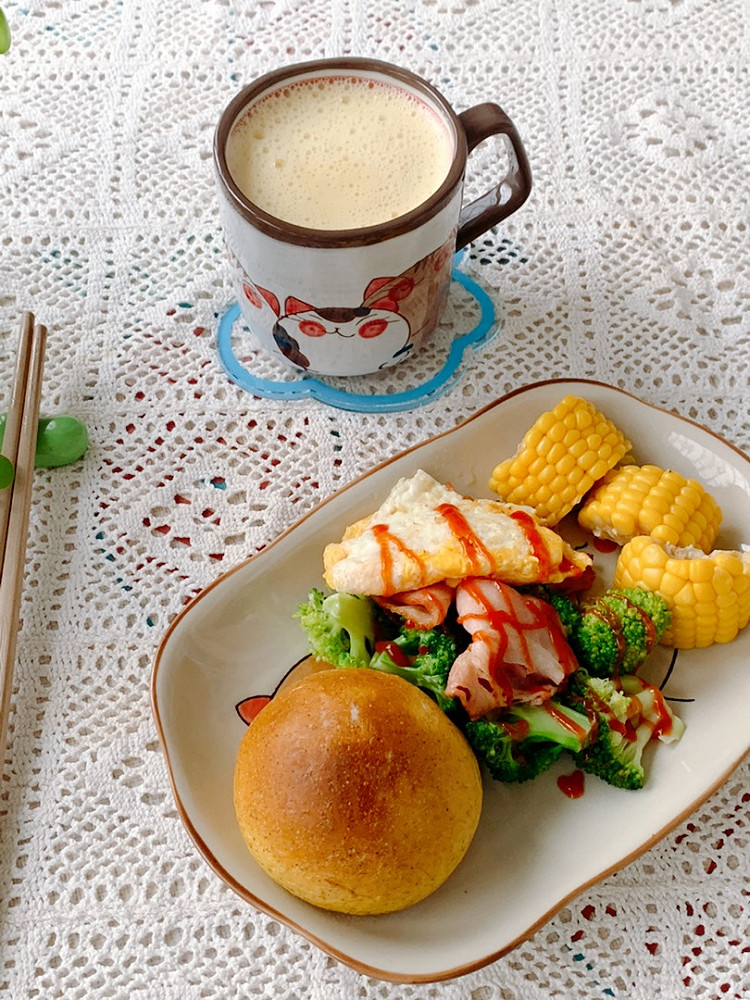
(355, 792)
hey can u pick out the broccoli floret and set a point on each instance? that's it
(526, 739)
(345, 630)
(653, 604)
(505, 759)
(597, 645)
(615, 632)
(341, 628)
(422, 657)
(628, 714)
(566, 607)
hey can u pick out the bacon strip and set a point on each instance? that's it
(423, 609)
(518, 651)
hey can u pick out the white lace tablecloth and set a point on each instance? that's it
(629, 264)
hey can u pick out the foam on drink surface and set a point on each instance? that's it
(339, 153)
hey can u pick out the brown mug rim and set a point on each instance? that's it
(336, 238)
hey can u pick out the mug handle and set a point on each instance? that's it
(478, 216)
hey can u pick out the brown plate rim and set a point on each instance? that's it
(356, 964)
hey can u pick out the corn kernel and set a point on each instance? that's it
(548, 475)
(567, 493)
(576, 476)
(554, 429)
(579, 450)
(671, 585)
(582, 417)
(730, 562)
(726, 602)
(652, 577)
(662, 503)
(649, 518)
(535, 436)
(683, 593)
(705, 592)
(578, 441)
(600, 465)
(537, 465)
(708, 594)
(723, 582)
(545, 493)
(724, 636)
(624, 523)
(547, 421)
(701, 521)
(701, 570)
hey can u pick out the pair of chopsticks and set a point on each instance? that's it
(19, 446)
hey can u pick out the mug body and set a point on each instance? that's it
(346, 301)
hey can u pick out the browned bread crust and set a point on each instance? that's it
(355, 792)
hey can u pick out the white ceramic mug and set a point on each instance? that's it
(355, 299)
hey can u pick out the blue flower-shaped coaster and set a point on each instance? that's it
(381, 392)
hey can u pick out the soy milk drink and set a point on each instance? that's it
(339, 152)
(340, 188)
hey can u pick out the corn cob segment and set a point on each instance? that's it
(707, 594)
(561, 456)
(645, 500)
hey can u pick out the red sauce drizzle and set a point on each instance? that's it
(612, 620)
(395, 652)
(430, 601)
(535, 540)
(542, 616)
(572, 785)
(565, 721)
(385, 540)
(663, 724)
(648, 624)
(625, 729)
(518, 729)
(604, 545)
(548, 618)
(578, 577)
(476, 553)
(628, 729)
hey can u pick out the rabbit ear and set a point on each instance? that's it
(292, 306)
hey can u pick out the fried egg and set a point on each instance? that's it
(425, 532)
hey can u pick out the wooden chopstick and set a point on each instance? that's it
(19, 445)
(14, 418)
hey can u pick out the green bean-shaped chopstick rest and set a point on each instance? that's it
(59, 441)
(7, 472)
(4, 34)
